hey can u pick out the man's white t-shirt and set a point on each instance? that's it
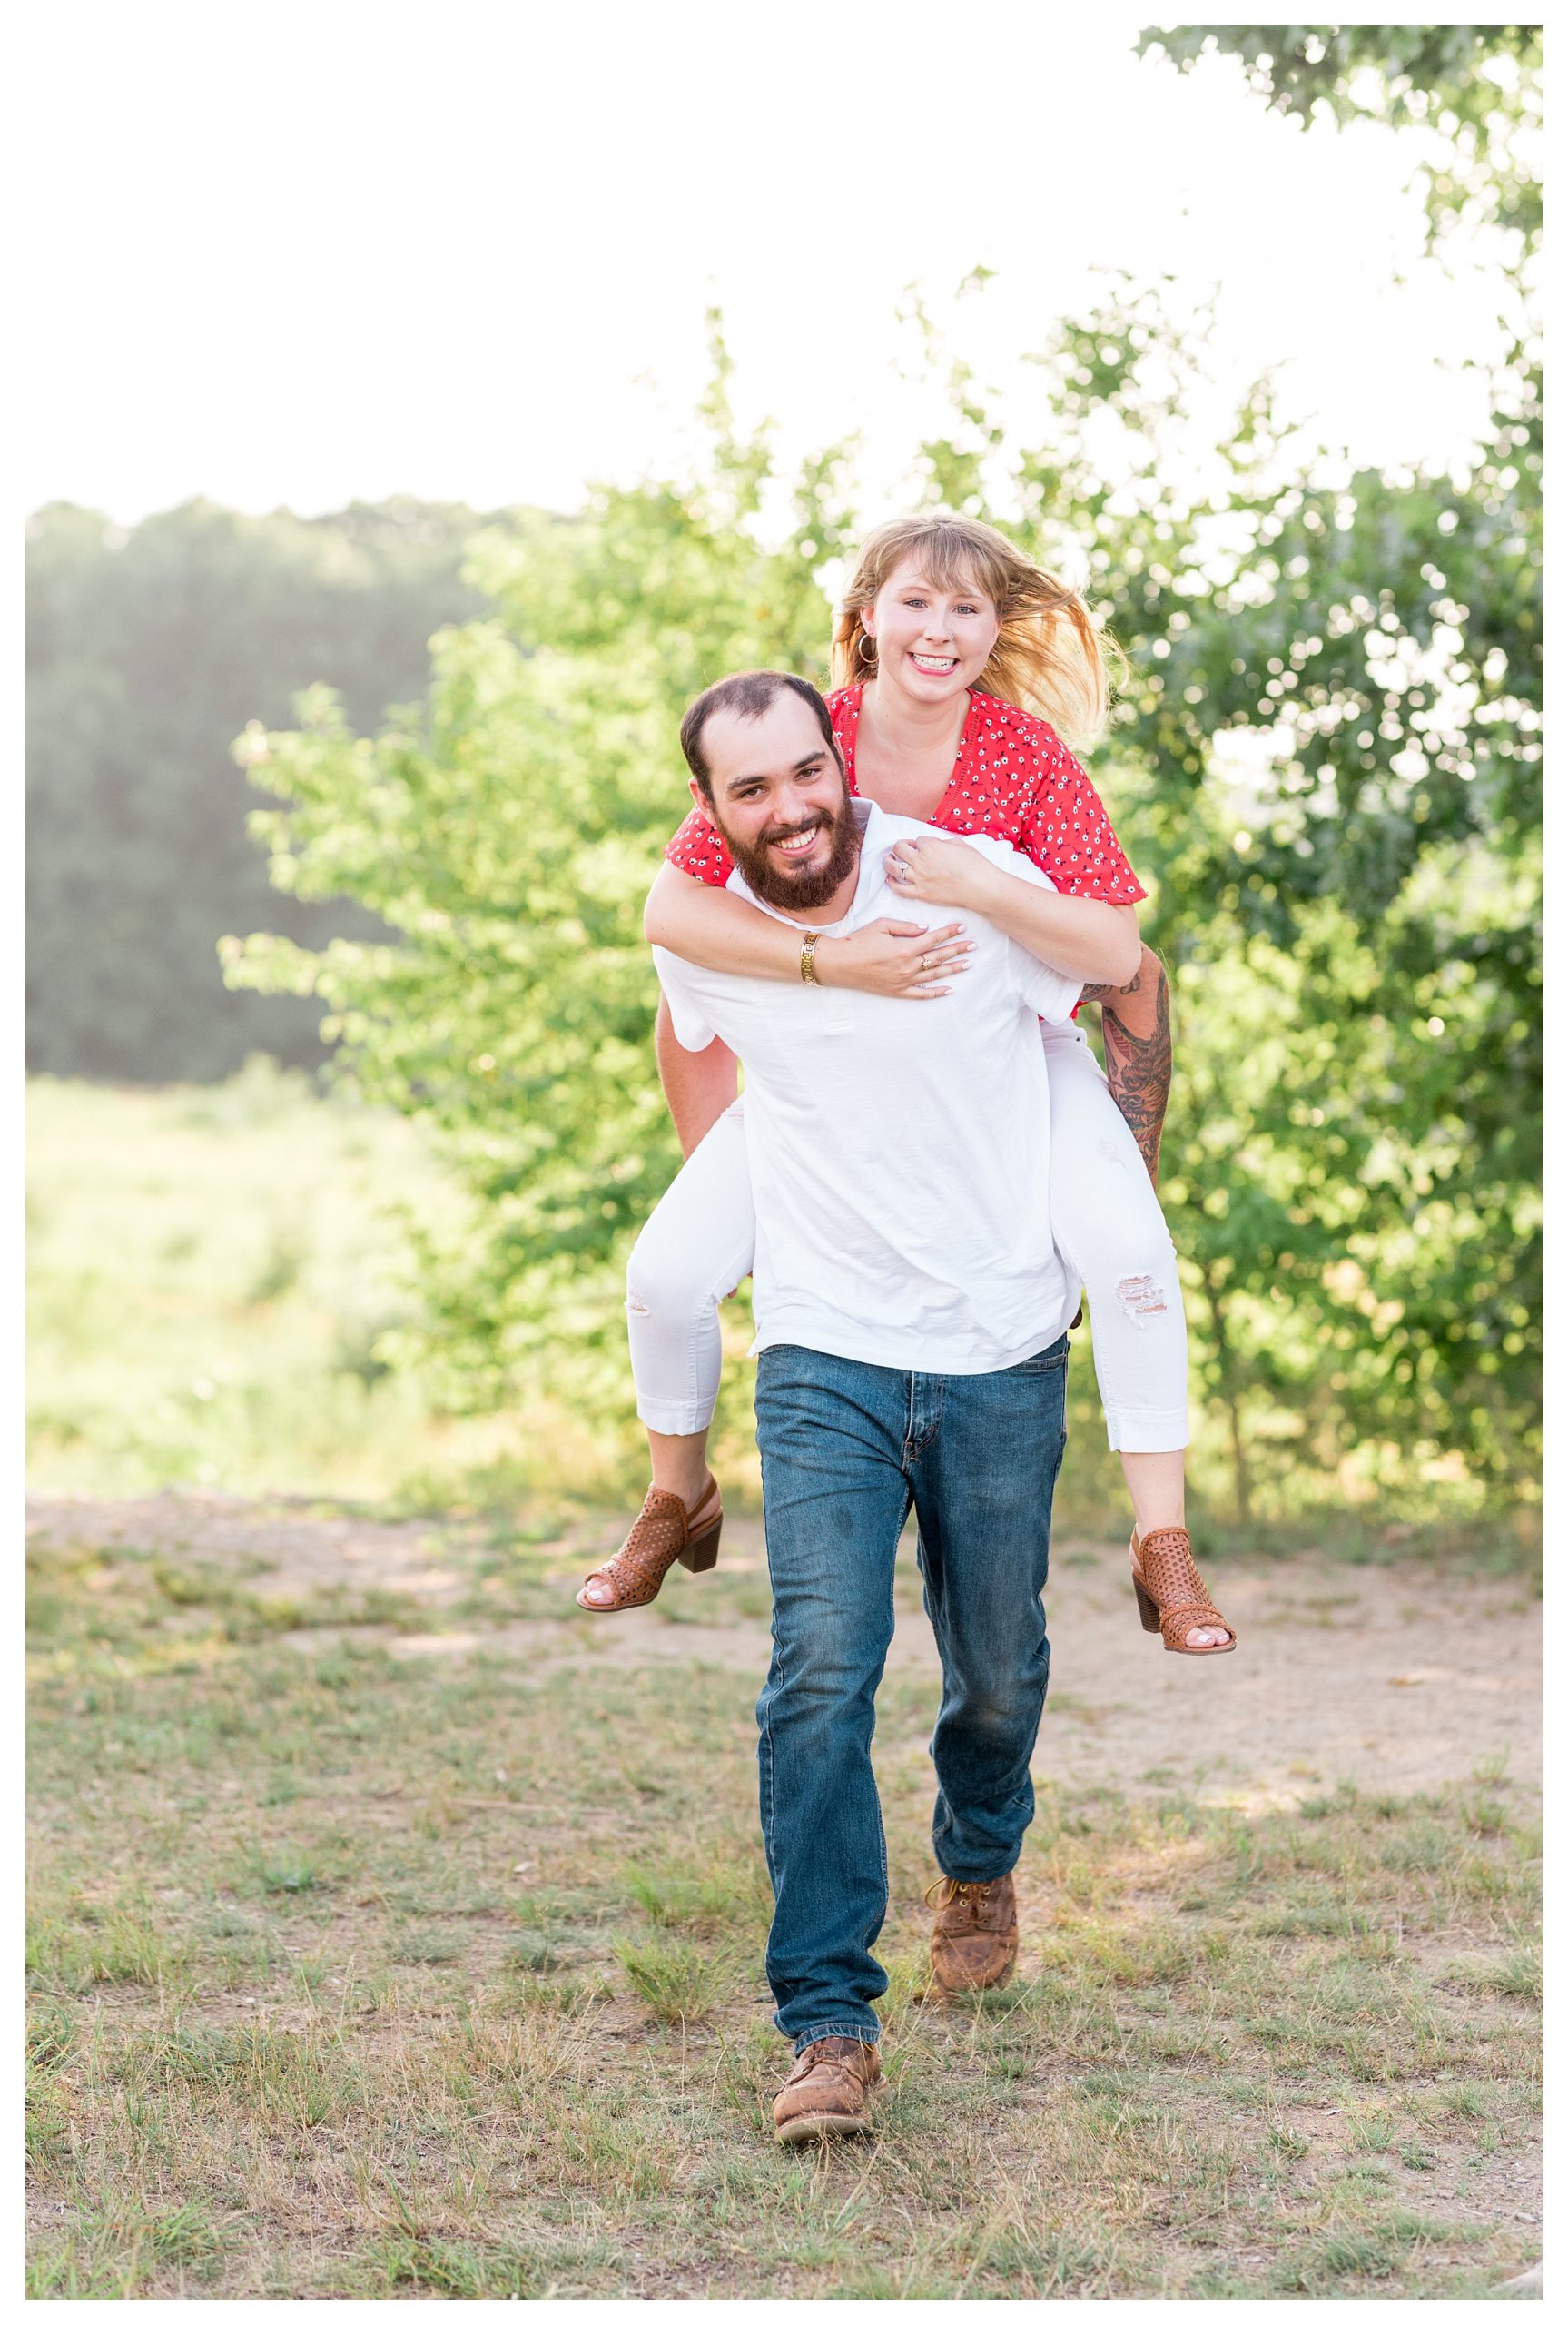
(900, 1151)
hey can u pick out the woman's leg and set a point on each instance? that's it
(696, 1247)
(1136, 1021)
(1107, 1221)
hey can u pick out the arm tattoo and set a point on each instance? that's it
(1135, 1019)
(1111, 991)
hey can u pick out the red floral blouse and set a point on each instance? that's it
(1014, 779)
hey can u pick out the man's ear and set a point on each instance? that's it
(705, 805)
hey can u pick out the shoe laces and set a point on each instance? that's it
(964, 1893)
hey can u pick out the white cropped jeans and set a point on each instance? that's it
(1106, 1220)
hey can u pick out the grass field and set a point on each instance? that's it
(360, 1968)
(209, 1271)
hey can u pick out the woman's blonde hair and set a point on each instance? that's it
(1049, 656)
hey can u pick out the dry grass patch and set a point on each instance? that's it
(358, 1973)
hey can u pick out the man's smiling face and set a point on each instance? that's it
(780, 799)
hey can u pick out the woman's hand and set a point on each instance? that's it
(935, 871)
(899, 958)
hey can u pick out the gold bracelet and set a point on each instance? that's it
(808, 959)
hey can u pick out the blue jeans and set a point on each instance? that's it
(846, 1447)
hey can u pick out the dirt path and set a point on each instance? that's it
(1383, 1676)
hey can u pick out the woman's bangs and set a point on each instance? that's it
(948, 561)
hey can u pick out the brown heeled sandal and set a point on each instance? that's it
(1172, 1599)
(665, 1531)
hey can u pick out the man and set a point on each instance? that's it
(911, 1314)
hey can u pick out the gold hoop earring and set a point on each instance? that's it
(865, 646)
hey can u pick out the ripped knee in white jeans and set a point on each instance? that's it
(1138, 1296)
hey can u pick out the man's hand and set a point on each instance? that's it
(903, 959)
(934, 871)
(1135, 1019)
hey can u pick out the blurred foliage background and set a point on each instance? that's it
(148, 647)
(1325, 766)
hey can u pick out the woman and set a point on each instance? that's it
(947, 632)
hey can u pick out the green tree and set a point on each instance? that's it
(1475, 86)
(506, 830)
(1328, 757)
(1384, 633)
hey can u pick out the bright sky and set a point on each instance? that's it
(302, 253)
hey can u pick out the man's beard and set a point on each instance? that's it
(799, 891)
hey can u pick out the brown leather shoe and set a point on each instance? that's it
(974, 1939)
(665, 1531)
(826, 2096)
(1172, 1595)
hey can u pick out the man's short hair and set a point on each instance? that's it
(750, 694)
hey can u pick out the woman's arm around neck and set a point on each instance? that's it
(715, 930)
(906, 960)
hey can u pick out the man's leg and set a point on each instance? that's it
(983, 1477)
(835, 1498)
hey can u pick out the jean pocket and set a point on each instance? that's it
(1050, 1360)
